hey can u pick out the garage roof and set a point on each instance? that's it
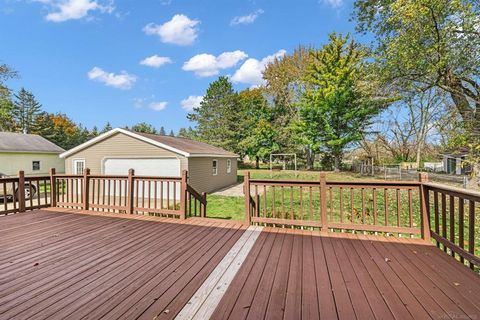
(183, 146)
(32, 143)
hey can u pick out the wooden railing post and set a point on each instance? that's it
(323, 201)
(246, 191)
(53, 188)
(21, 191)
(424, 207)
(130, 189)
(183, 195)
(86, 188)
(203, 209)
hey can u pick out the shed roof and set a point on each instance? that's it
(182, 146)
(32, 143)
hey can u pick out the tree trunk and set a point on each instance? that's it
(257, 162)
(419, 153)
(310, 159)
(337, 162)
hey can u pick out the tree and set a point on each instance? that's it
(260, 135)
(336, 106)
(6, 104)
(162, 131)
(182, 133)
(171, 134)
(25, 110)
(218, 116)
(144, 128)
(106, 128)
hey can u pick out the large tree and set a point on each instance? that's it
(6, 104)
(432, 43)
(144, 128)
(25, 110)
(219, 115)
(336, 106)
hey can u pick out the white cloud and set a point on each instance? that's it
(191, 102)
(158, 106)
(64, 10)
(206, 65)
(251, 70)
(335, 4)
(155, 61)
(248, 19)
(179, 30)
(123, 80)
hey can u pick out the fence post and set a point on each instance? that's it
(53, 188)
(183, 195)
(86, 188)
(21, 191)
(246, 191)
(130, 189)
(323, 201)
(203, 210)
(424, 207)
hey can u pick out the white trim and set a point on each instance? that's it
(209, 155)
(136, 157)
(216, 167)
(74, 166)
(105, 135)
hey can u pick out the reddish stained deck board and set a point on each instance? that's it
(347, 276)
(65, 265)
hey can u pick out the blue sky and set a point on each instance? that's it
(127, 61)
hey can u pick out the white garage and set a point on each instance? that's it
(161, 167)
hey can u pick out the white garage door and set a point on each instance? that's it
(164, 167)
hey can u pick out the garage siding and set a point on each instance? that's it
(201, 177)
(118, 145)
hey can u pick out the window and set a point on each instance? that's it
(35, 165)
(229, 165)
(214, 167)
(78, 166)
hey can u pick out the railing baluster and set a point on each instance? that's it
(274, 213)
(471, 229)
(363, 204)
(437, 215)
(410, 207)
(385, 191)
(452, 222)
(374, 199)
(352, 207)
(398, 208)
(461, 225)
(341, 203)
(444, 218)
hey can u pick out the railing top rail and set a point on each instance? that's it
(468, 194)
(340, 183)
(157, 178)
(6, 180)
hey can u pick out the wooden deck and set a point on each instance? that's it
(299, 275)
(62, 265)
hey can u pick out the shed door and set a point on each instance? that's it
(164, 167)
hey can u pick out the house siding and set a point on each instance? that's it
(12, 162)
(201, 177)
(118, 145)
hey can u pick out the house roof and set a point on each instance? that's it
(182, 146)
(32, 143)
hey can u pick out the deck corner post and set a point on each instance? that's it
(323, 201)
(246, 191)
(53, 188)
(424, 207)
(203, 210)
(183, 195)
(130, 186)
(21, 191)
(86, 188)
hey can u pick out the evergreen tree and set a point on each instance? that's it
(218, 116)
(25, 111)
(144, 128)
(172, 134)
(183, 133)
(107, 128)
(162, 131)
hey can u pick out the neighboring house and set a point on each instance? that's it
(453, 161)
(114, 152)
(28, 152)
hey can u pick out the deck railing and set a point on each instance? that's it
(21, 193)
(130, 194)
(416, 208)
